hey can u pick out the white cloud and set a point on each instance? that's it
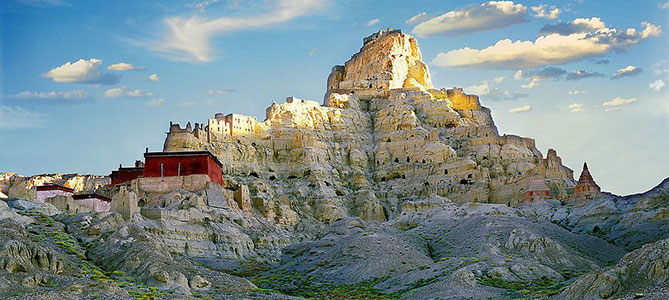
(650, 30)
(538, 75)
(373, 22)
(612, 109)
(419, 18)
(15, 117)
(154, 77)
(578, 25)
(661, 68)
(474, 18)
(122, 67)
(81, 71)
(499, 79)
(123, 92)
(481, 89)
(202, 5)
(656, 85)
(552, 49)
(664, 5)
(190, 39)
(533, 82)
(575, 107)
(576, 92)
(619, 101)
(220, 92)
(75, 94)
(543, 11)
(312, 51)
(626, 71)
(582, 74)
(156, 102)
(520, 109)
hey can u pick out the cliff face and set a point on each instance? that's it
(383, 137)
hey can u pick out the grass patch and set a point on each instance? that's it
(538, 288)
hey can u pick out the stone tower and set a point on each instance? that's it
(586, 188)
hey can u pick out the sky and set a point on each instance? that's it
(87, 85)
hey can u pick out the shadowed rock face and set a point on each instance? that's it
(18, 255)
(446, 250)
(642, 270)
(626, 221)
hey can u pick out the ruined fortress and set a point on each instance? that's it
(382, 136)
(381, 144)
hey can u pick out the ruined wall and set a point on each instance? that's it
(40, 196)
(93, 205)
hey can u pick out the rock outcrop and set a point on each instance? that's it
(444, 251)
(637, 273)
(384, 134)
(15, 185)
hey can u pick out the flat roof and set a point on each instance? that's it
(87, 196)
(183, 153)
(54, 186)
(129, 169)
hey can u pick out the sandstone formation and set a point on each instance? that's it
(639, 272)
(383, 136)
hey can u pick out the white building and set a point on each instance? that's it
(49, 190)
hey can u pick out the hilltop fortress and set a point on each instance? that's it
(382, 137)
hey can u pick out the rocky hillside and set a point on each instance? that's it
(389, 189)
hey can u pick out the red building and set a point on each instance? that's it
(537, 190)
(127, 174)
(164, 164)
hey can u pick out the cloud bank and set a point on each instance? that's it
(82, 71)
(579, 39)
(543, 11)
(472, 18)
(122, 67)
(618, 101)
(189, 39)
(123, 92)
(627, 72)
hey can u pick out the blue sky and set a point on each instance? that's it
(78, 95)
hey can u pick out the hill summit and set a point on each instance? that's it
(382, 138)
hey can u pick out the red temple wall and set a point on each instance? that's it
(190, 165)
(122, 176)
